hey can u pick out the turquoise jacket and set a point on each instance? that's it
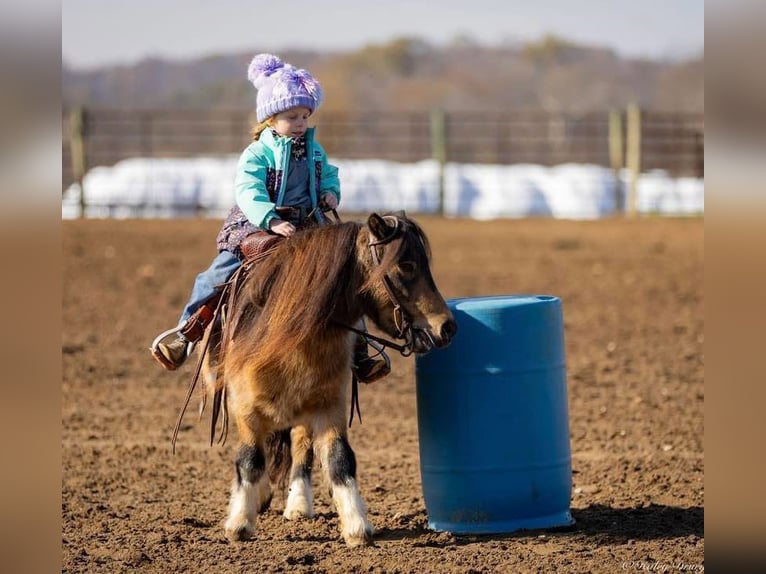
(260, 186)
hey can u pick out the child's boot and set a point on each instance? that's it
(368, 369)
(172, 354)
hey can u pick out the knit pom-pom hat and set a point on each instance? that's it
(281, 86)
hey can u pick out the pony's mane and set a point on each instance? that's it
(293, 294)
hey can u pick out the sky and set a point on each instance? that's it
(107, 32)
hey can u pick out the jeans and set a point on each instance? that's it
(206, 283)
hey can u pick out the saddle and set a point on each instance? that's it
(255, 245)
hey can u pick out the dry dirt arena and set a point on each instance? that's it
(632, 294)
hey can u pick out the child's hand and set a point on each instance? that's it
(281, 227)
(328, 201)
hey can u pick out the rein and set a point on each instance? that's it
(405, 350)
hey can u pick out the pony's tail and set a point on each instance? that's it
(279, 458)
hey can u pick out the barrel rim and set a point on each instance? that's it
(504, 301)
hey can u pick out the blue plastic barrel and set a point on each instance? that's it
(493, 423)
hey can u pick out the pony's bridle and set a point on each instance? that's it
(402, 319)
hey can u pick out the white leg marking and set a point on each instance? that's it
(246, 499)
(300, 501)
(352, 512)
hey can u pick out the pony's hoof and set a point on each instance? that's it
(356, 541)
(297, 513)
(240, 533)
(362, 537)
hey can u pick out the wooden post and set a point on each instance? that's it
(77, 123)
(633, 159)
(616, 158)
(439, 149)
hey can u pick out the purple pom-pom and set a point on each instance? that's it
(311, 86)
(261, 67)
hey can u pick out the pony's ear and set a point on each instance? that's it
(377, 225)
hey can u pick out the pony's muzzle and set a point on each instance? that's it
(438, 336)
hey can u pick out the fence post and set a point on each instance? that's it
(633, 155)
(439, 149)
(616, 157)
(77, 123)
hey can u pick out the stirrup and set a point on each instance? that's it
(161, 359)
(380, 351)
(379, 354)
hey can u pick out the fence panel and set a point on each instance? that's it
(670, 141)
(673, 142)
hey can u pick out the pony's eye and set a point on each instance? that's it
(408, 269)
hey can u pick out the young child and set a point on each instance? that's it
(283, 183)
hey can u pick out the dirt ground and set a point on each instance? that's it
(633, 301)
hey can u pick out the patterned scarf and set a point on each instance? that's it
(298, 148)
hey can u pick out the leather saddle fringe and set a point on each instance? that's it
(354, 401)
(258, 248)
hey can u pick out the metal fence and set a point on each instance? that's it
(668, 141)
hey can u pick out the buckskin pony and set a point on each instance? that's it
(282, 360)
